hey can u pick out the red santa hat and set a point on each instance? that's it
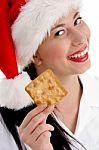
(12, 93)
(8, 13)
(23, 26)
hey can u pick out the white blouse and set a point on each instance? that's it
(87, 128)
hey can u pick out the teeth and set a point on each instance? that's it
(80, 54)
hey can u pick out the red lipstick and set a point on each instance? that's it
(80, 55)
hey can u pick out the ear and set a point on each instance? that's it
(37, 59)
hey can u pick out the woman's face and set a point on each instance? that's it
(65, 51)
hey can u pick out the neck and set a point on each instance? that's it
(71, 83)
(73, 86)
(67, 109)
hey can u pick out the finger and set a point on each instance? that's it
(44, 137)
(32, 114)
(41, 129)
(36, 121)
(39, 119)
(49, 109)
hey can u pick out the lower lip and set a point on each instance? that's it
(81, 59)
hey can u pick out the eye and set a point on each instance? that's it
(59, 33)
(78, 21)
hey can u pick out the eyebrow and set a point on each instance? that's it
(75, 15)
(61, 25)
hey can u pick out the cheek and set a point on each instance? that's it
(53, 51)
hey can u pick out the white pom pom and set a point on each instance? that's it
(12, 92)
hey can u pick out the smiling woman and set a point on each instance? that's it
(94, 44)
(49, 35)
(67, 46)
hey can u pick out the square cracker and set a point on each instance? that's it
(46, 88)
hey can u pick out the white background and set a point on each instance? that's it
(90, 14)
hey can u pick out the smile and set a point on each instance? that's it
(79, 56)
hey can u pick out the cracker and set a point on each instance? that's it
(46, 88)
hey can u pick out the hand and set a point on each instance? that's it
(34, 131)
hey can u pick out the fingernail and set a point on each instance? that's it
(44, 105)
(52, 129)
(50, 108)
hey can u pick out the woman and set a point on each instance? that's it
(48, 34)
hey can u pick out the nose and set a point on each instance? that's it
(78, 38)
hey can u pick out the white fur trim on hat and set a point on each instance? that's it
(34, 22)
(13, 94)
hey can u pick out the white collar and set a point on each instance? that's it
(89, 100)
(89, 105)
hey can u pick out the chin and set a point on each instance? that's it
(83, 68)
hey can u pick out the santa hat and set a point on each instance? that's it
(9, 11)
(12, 93)
(23, 27)
(34, 22)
